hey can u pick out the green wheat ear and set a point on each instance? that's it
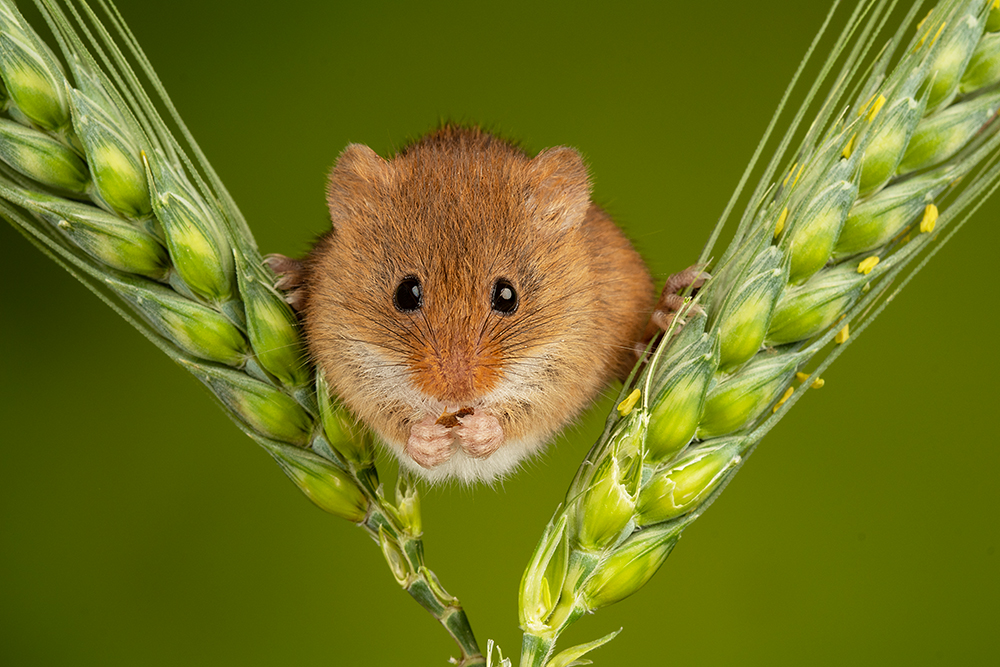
(820, 242)
(93, 176)
(91, 173)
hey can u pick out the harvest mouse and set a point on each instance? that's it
(469, 300)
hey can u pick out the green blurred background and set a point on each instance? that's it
(138, 526)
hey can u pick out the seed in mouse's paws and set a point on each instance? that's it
(479, 435)
(450, 419)
(430, 444)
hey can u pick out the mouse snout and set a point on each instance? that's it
(457, 373)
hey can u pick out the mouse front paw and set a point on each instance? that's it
(429, 444)
(291, 278)
(479, 434)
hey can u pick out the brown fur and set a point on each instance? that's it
(458, 210)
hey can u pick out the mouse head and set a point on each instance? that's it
(452, 280)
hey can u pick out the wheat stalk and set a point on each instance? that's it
(94, 177)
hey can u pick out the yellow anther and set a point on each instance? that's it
(546, 594)
(924, 20)
(626, 406)
(817, 383)
(785, 182)
(781, 401)
(801, 169)
(938, 33)
(781, 222)
(843, 335)
(923, 39)
(996, 4)
(864, 107)
(867, 264)
(930, 216)
(849, 148)
(879, 103)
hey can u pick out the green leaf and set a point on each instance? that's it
(571, 656)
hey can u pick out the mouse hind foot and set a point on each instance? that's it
(290, 278)
(679, 287)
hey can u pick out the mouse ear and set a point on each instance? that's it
(561, 186)
(359, 176)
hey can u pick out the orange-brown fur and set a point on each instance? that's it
(459, 209)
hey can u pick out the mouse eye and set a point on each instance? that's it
(504, 299)
(409, 295)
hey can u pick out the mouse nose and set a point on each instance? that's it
(457, 373)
